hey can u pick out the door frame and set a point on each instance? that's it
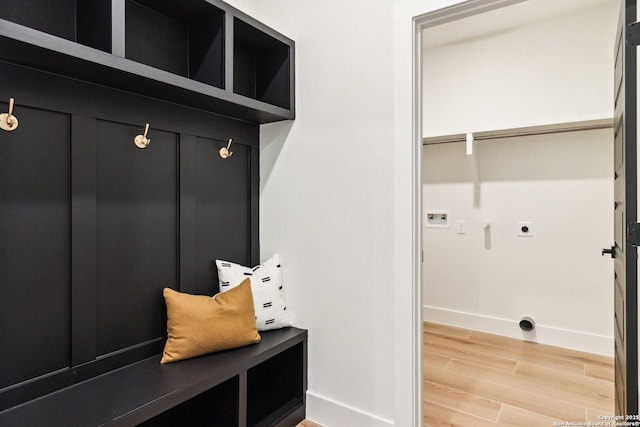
(410, 18)
(629, 254)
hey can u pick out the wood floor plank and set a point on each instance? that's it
(517, 417)
(543, 349)
(435, 359)
(547, 383)
(439, 416)
(458, 348)
(595, 415)
(600, 372)
(582, 387)
(507, 348)
(461, 401)
(533, 401)
(566, 394)
(430, 327)
(525, 351)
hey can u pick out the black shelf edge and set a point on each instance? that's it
(32, 48)
(145, 389)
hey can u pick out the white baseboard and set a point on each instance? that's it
(576, 340)
(329, 413)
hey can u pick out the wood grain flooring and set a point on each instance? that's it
(477, 379)
(307, 423)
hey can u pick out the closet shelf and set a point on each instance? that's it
(205, 80)
(605, 123)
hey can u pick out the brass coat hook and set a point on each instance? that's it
(142, 141)
(8, 121)
(224, 151)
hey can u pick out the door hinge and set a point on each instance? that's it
(633, 34)
(633, 235)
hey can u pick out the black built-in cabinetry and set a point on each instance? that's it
(255, 386)
(92, 227)
(198, 53)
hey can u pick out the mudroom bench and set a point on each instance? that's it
(95, 225)
(258, 385)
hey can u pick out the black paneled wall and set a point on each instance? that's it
(136, 233)
(92, 227)
(223, 193)
(34, 247)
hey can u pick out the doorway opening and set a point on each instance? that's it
(539, 157)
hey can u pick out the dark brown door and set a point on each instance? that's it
(624, 252)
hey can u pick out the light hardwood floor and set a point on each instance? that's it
(307, 423)
(476, 379)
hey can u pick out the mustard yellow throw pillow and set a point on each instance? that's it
(198, 324)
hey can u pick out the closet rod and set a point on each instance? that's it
(523, 131)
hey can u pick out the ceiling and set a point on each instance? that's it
(503, 19)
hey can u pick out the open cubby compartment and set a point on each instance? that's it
(275, 387)
(215, 407)
(87, 22)
(261, 65)
(184, 38)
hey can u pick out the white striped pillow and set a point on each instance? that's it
(267, 287)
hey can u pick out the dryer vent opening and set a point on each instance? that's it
(527, 324)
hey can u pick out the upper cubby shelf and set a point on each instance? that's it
(84, 22)
(201, 53)
(261, 65)
(188, 42)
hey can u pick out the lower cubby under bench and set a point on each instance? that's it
(258, 385)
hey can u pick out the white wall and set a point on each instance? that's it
(488, 280)
(556, 70)
(325, 200)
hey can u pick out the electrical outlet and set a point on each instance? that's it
(461, 226)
